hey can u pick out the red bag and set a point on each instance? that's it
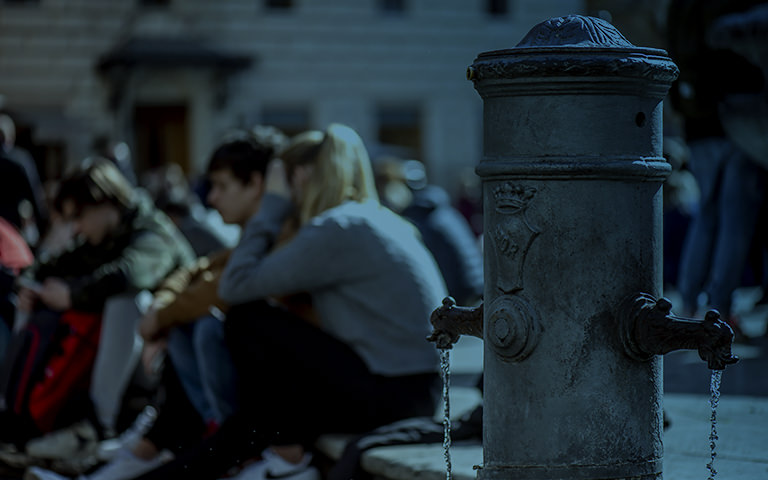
(14, 251)
(68, 371)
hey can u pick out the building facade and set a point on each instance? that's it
(170, 77)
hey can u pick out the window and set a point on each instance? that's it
(278, 4)
(400, 130)
(290, 120)
(392, 6)
(498, 7)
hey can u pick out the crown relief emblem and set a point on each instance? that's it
(512, 198)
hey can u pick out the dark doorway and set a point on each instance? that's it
(162, 136)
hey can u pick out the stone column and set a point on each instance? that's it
(572, 174)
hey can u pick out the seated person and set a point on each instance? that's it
(446, 233)
(15, 255)
(236, 172)
(124, 245)
(170, 189)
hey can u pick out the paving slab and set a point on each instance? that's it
(742, 444)
(742, 447)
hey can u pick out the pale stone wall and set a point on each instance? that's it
(341, 60)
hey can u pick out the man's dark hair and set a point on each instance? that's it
(96, 181)
(244, 153)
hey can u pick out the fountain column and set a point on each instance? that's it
(572, 174)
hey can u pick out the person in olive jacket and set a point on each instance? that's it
(122, 244)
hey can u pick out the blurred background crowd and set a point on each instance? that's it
(155, 86)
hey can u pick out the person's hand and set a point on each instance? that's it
(148, 326)
(276, 180)
(152, 356)
(55, 294)
(26, 300)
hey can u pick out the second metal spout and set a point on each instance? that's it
(649, 328)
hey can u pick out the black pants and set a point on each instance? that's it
(298, 382)
(178, 425)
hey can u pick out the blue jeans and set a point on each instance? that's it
(718, 241)
(204, 366)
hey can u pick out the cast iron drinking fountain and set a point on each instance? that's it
(573, 324)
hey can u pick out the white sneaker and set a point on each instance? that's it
(274, 467)
(124, 466)
(77, 440)
(107, 449)
(13, 458)
(37, 473)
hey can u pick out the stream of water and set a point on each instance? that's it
(714, 389)
(445, 373)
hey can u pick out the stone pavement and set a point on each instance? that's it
(742, 446)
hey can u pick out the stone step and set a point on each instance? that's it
(426, 461)
(423, 462)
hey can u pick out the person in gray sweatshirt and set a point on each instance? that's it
(361, 359)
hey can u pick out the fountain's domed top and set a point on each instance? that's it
(577, 31)
(575, 47)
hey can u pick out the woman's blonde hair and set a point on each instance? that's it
(342, 170)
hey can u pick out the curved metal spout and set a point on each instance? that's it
(649, 328)
(451, 321)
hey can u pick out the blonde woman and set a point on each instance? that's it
(364, 362)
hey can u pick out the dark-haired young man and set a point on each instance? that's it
(180, 311)
(123, 245)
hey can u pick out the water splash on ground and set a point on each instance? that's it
(714, 389)
(445, 373)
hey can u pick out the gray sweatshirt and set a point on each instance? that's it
(372, 281)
